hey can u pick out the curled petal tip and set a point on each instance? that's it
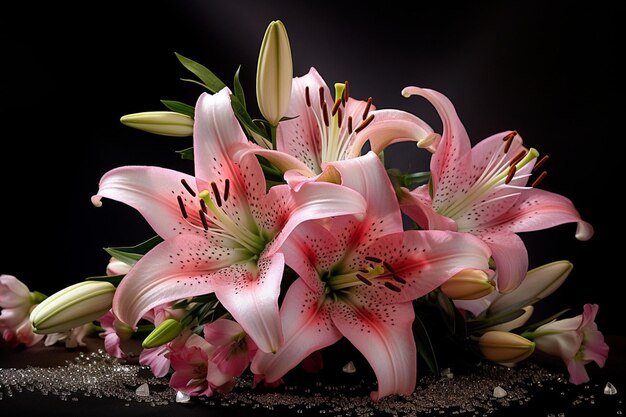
(96, 200)
(584, 231)
(406, 92)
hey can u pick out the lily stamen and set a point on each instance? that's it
(182, 206)
(539, 179)
(365, 123)
(216, 193)
(368, 105)
(542, 161)
(187, 187)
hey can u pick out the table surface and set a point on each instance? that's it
(557, 403)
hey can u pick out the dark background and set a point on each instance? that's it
(67, 75)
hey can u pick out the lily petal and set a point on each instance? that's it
(300, 137)
(307, 327)
(538, 209)
(154, 192)
(389, 126)
(384, 336)
(450, 164)
(250, 293)
(177, 268)
(418, 206)
(427, 259)
(511, 258)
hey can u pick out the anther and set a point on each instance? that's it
(398, 278)
(517, 158)
(339, 118)
(188, 188)
(367, 108)
(373, 259)
(363, 279)
(226, 189)
(203, 219)
(387, 266)
(346, 92)
(542, 161)
(203, 206)
(335, 107)
(325, 114)
(510, 136)
(182, 206)
(392, 287)
(539, 179)
(509, 177)
(321, 91)
(365, 123)
(307, 97)
(216, 193)
(349, 124)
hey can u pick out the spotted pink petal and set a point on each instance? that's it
(418, 206)
(157, 194)
(511, 257)
(384, 336)
(388, 126)
(176, 268)
(422, 259)
(307, 327)
(449, 166)
(300, 137)
(250, 293)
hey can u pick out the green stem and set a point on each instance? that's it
(144, 328)
(273, 135)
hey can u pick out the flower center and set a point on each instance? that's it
(375, 272)
(336, 133)
(217, 221)
(503, 167)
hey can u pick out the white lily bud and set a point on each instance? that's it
(505, 347)
(468, 284)
(274, 73)
(538, 284)
(166, 123)
(73, 306)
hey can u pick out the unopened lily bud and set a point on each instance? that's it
(166, 123)
(469, 284)
(73, 306)
(165, 332)
(274, 73)
(505, 347)
(538, 284)
(117, 267)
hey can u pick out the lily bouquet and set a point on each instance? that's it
(289, 236)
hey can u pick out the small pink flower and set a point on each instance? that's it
(114, 333)
(21, 334)
(576, 340)
(156, 358)
(194, 372)
(233, 348)
(15, 302)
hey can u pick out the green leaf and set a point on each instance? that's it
(186, 153)
(418, 178)
(179, 107)
(210, 80)
(425, 346)
(131, 254)
(187, 80)
(113, 279)
(477, 325)
(245, 119)
(239, 89)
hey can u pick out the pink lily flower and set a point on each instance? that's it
(15, 301)
(483, 191)
(194, 372)
(22, 333)
(222, 230)
(358, 280)
(326, 130)
(576, 340)
(115, 332)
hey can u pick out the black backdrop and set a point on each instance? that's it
(68, 74)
